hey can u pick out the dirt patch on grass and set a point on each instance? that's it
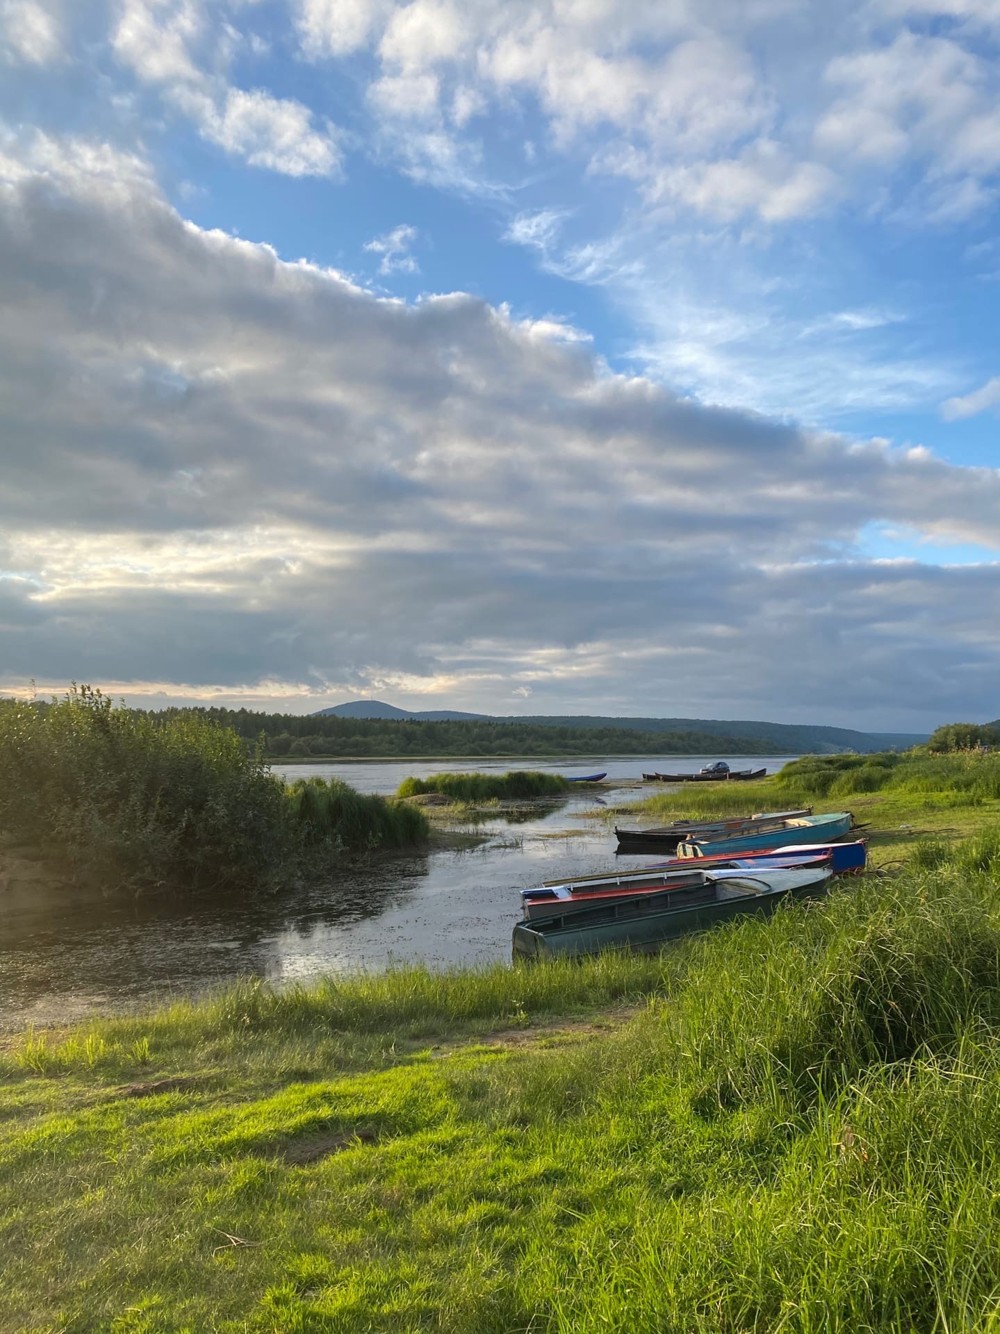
(306, 1149)
(152, 1087)
(557, 1030)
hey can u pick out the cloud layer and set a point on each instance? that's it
(225, 470)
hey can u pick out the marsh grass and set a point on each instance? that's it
(469, 788)
(330, 812)
(787, 1124)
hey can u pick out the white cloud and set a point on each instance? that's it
(394, 247)
(28, 32)
(217, 463)
(161, 40)
(970, 405)
(538, 230)
(272, 132)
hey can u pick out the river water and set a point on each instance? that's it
(63, 958)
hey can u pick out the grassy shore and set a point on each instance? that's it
(780, 1125)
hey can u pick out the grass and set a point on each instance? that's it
(516, 785)
(782, 1125)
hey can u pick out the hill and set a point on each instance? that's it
(783, 738)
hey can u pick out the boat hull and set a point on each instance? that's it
(814, 827)
(673, 886)
(665, 838)
(633, 925)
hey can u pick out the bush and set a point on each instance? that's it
(124, 795)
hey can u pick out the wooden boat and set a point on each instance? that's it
(587, 778)
(807, 828)
(665, 838)
(647, 921)
(546, 901)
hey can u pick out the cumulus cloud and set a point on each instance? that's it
(162, 42)
(224, 469)
(394, 248)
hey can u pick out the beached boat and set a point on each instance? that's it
(587, 778)
(682, 876)
(664, 838)
(844, 857)
(802, 829)
(646, 922)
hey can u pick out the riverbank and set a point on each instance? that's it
(785, 1125)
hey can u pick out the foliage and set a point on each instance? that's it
(795, 1131)
(964, 736)
(332, 812)
(967, 777)
(517, 785)
(301, 737)
(129, 797)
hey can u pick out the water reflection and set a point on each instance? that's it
(63, 958)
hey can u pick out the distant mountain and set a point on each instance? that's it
(781, 738)
(373, 708)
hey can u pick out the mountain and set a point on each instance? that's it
(373, 708)
(782, 738)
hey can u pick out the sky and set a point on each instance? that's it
(629, 357)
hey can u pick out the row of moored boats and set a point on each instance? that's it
(719, 870)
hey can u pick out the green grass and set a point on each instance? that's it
(517, 785)
(781, 1125)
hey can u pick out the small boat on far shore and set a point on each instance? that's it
(730, 776)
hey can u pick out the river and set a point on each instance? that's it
(63, 958)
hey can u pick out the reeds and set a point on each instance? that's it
(517, 785)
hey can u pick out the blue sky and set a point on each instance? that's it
(562, 356)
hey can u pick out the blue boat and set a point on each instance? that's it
(805, 829)
(587, 778)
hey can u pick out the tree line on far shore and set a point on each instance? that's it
(291, 736)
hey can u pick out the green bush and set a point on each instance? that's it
(124, 796)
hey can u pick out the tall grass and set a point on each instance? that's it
(970, 778)
(331, 812)
(517, 785)
(124, 798)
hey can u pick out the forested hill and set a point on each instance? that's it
(737, 737)
(300, 737)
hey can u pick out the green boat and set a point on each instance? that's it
(804, 829)
(648, 921)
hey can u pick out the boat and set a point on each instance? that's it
(567, 897)
(665, 838)
(729, 776)
(801, 829)
(587, 778)
(844, 858)
(646, 922)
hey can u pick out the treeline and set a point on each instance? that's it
(122, 797)
(289, 736)
(964, 736)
